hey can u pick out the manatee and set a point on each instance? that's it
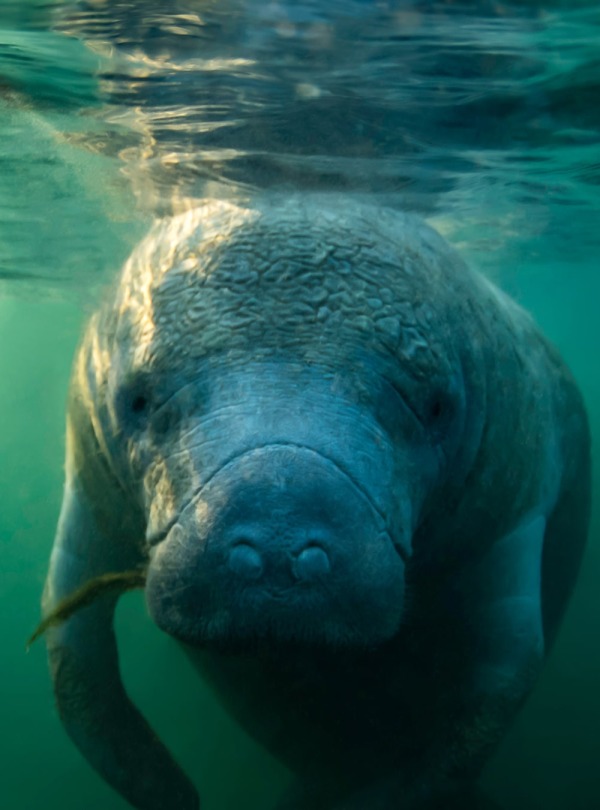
(356, 478)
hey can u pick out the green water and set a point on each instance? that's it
(68, 216)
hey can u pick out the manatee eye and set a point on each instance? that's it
(440, 412)
(138, 408)
(436, 409)
(133, 403)
(139, 404)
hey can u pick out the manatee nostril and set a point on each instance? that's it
(245, 561)
(312, 563)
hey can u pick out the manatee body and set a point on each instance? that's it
(358, 477)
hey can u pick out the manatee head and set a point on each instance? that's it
(280, 390)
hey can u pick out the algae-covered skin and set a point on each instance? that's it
(358, 479)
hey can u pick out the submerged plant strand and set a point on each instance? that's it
(86, 594)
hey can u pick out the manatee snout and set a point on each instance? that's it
(280, 543)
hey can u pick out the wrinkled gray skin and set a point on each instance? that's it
(360, 478)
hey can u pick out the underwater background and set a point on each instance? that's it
(484, 117)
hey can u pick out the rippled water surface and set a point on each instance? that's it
(482, 116)
(485, 116)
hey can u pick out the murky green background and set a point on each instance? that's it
(63, 208)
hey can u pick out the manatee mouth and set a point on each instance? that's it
(154, 538)
(279, 542)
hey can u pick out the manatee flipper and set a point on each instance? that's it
(495, 604)
(494, 616)
(93, 704)
(502, 611)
